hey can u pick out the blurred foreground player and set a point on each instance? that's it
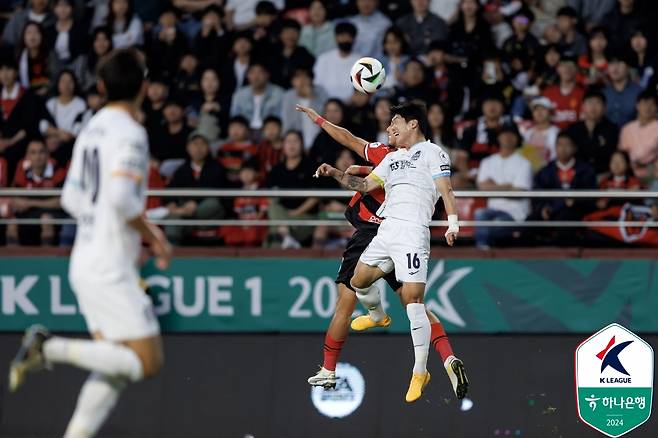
(361, 213)
(104, 192)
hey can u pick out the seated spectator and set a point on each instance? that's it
(265, 29)
(395, 56)
(318, 35)
(199, 171)
(592, 12)
(19, 115)
(270, 147)
(621, 93)
(414, 84)
(564, 173)
(95, 101)
(234, 70)
(153, 106)
(34, 60)
(187, 77)
(288, 56)
(167, 46)
(572, 41)
(471, 37)
(505, 170)
(620, 177)
(66, 112)
(36, 171)
(446, 85)
(643, 60)
(303, 92)
(101, 45)
(189, 13)
(241, 14)
(247, 208)
(594, 64)
(211, 109)
(370, 25)
(332, 67)
(259, 99)
(422, 27)
(566, 95)
(325, 149)
(595, 136)
(493, 80)
(640, 137)
(383, 119)
(294, 172)
(37, 11)
(237, 149)
(169, 140)
(125, 25)
(522, 44)
(547, 67)
(539, 137)
(622, 20)
(68, 37)
(446, 9)
(212, 43)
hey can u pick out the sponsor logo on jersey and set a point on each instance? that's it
(415, 156)
(345, 398)
(401, 165)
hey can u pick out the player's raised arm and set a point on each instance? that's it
(350, 182)
(340, 134)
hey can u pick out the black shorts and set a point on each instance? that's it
(355, 247)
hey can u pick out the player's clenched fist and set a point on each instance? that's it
(325, 170)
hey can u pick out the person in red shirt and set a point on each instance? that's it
(566, 95)
(237, 150)
(35, 171)
(620, 178)
(270, 148)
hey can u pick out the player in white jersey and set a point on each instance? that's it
(104, 192)
(414, 177)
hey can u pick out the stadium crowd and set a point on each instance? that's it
(545, 94)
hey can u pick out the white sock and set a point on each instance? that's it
(420, 335)
(103, 357)
(369, 297)
(97, 398)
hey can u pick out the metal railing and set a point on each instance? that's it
(266, 193)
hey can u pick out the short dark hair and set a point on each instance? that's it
(123, 73)
(647, 95)
(413, 110)
(595, 93)
(239, 119)
(565, 134)
(265, 8)
(345, 27)
(272, 119)
(289, 23)
(259, 63)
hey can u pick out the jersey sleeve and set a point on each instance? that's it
(130, 159)
(382, 171)
(439, 162)
(375, 152)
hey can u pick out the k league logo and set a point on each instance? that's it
(614, 380)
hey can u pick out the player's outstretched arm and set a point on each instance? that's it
(340, 134)
(444, 187)
(350, 182)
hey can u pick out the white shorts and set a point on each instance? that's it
(120, 312)
(402, 246)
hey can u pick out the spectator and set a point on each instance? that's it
(67, 36)
(414, 83)
(481, 139)
(153, 106)
(540, 137)
(383, 118)
(169, 140)
(212, 42)
(294, 172)
(619, 177)
(199, 171)
(640, 137)
(505, 170)
(594, 64)
(572, 41)
(288, 56)
(395, 56)
(211, 109)
(190, 12)
(622, 20)
(20, 114)
(595, 136)
(522, 44)
(370, 25)
(36, 171)
(318, 35)
(241, 14)
(187, 79)
(305, 93)
(237, 149)
(38, 11)
(446, 85)
(621, 93)
(167, 46)
(422, 27)
(101, 45)
(34, 61)
(643, 60)
(95, 101)
(332, 67)
(325, 149)
(126, 27)
(266, 30)
(566, 95)
(548, 67)
(470, 36)
(66, 111)
(259, 99)
(440, 128)
(492, 80)
(360, 116)
(270, 148)
(247, 208)
(592, 12)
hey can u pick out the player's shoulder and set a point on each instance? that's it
(434, 149)
(121, 126)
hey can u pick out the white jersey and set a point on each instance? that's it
(408, 178)
(111, 145)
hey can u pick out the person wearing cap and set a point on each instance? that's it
(199, 171)
(595, 135)
(168, 140)
(505, 170)
(422, 27)
(621, 92)
(539, 137)
(566, 95)
(572, 40)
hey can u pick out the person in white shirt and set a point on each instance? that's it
(241, 14)
(414, 177)
(332, 68)
(371, 24)
(104, 192)
(540, 135)
(506, 170)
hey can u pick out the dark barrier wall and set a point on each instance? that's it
(255, 386)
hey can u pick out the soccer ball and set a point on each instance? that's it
(367, 75)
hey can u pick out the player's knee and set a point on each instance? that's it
(151, 366)
(359, 282)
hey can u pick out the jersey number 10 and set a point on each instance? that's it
(90, 172)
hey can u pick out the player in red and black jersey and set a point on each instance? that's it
(361, 214)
